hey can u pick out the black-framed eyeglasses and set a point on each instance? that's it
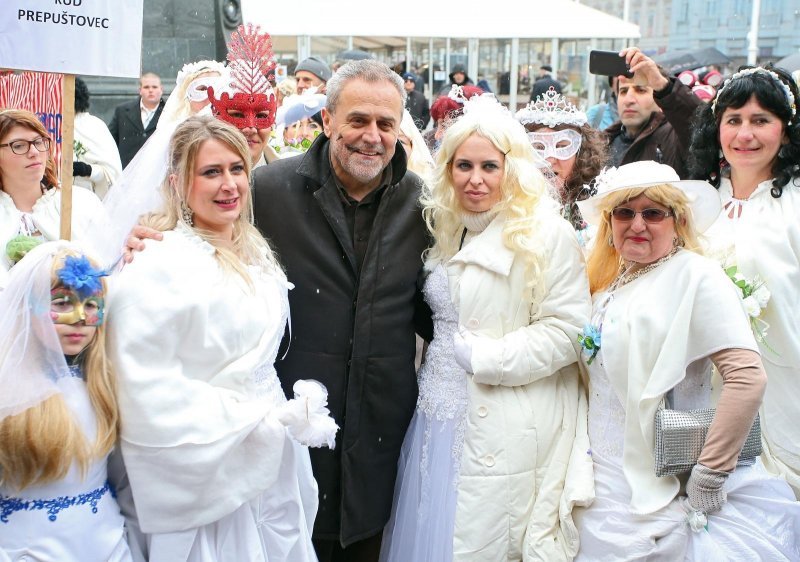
(650, 216)
(42, 144)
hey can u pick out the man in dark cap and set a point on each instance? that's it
(544, 82)
(416, 102)
(312, 72)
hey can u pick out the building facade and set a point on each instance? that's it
(725, 24)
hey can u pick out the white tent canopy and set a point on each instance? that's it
(468, 19)
(368, 25)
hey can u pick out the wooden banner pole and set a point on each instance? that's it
(67, 136)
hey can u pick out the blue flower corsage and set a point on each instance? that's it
(79, 275)
(590, 342)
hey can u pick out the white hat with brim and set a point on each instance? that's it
(704, 200)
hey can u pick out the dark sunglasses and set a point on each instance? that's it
(624, 214)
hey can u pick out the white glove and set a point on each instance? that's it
(307, 417)
(462, 349)
(705, 489)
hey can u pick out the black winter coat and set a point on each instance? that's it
(355, 334)
(417, 106)
(665, 138)
(126, 128)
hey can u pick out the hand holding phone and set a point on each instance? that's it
(608, 63)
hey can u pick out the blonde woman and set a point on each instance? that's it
(483, 473)
(58, 413)
(662, 315)
(209, 442)
(418, 157)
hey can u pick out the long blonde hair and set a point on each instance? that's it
(248, 246)
(40, 444)
(604, 262)
(419, 160)
(523, 193)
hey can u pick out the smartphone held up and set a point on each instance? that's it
(608, 63)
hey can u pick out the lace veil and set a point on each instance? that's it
(31, 359)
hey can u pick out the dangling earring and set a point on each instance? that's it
(186, 214)
(610, 240)
(678, 242)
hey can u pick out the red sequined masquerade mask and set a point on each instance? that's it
(245, 110)
(253, 103)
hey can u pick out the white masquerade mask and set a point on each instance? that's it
(561, 145)
(197, 90)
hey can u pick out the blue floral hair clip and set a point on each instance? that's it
(79, 275)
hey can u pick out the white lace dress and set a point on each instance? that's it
(424, 507)
(75, 519)
(758, 522)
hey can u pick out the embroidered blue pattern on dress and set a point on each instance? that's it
(9, 505)
(76, 371)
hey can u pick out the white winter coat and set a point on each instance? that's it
(525, 461)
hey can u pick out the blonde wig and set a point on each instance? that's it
(40, 444)
(419, 160)
(604, 262)
(523, 193)
(248, 246)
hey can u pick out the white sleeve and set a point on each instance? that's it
(194, 451)
(549, 343)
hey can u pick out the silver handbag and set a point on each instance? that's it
(681, 434)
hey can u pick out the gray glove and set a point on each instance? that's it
(704, 489)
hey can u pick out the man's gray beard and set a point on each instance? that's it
(346, 159)
(363, 172)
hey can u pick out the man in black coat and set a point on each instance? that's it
(545, 82)
(416, 102)
(346, 224)
(135, 121)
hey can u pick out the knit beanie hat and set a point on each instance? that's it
(315, 66)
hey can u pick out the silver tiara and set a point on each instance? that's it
(757, 70)
(551, 109)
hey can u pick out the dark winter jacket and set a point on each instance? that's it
(126, 128)
(666, 136)
(543, 84)
(417, 106)
(354, 333)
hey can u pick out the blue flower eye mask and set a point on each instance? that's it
(561, 145)
(80, 294)
(66, 307)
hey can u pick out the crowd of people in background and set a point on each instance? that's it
(323, 319)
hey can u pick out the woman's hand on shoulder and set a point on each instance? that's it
(135, 240)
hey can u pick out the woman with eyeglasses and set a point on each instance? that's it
(30, 198)
(747, 143)
(662, 315)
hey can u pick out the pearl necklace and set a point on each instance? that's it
(623, 278)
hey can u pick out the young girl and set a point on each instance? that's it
(58, 415)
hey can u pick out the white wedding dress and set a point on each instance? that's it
(423, 513)
(75, 519)
(760, 520)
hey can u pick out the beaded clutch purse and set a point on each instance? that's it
(681, 434)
